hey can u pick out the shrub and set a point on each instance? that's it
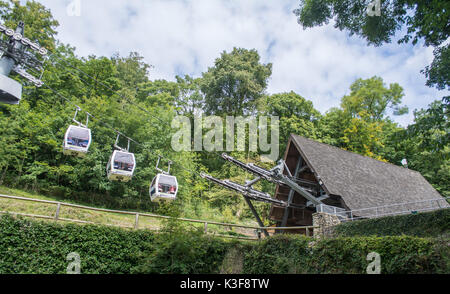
(180, 250)
(279, 254)
(42, 248)
(427, 224)
(399, 254)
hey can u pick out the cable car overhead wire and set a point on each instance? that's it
(107, 87)
(128, 100)
(122, 163)
(107, 125)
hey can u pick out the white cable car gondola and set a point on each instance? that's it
(121, 165)
(77, 138)
(164, 187)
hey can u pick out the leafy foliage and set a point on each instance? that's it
(300, 255)
(437, 73)
(399, 255)
(181, 251)
(29, 247)
(42, 247)
(297, 115)
(425, 144)
(361, 124)
(426, 224)
(235, 83)
(425, 20)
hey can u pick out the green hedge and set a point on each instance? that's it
(428, 224)
(38, 247)
(42, 247)
(300, 255)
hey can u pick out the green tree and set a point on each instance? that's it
(372, 99)
(426, 144)
(132, 70)
(361, 124)
(235, 83)
(297, 115)
(40, 25)
(425, 20)
(190, 99)
(437, 73)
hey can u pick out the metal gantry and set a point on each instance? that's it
(275, 175)
(15, 57)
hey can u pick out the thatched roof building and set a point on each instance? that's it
(352, 182)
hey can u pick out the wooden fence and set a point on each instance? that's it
(139, 215)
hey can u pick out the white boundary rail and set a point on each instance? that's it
(137, 215)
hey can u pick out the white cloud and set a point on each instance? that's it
(185, 37)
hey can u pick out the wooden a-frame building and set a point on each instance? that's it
(350, 182)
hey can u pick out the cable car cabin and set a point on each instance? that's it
(164, 187)
(77, 141)
(121, 166)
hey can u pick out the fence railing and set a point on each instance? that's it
(385, 210)
(138, 215)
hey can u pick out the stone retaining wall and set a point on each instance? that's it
(325, 223)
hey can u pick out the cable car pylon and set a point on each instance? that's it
(13, 57)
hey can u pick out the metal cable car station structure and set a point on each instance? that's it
(275, 175)
(14, 57)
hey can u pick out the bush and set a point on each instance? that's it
(182, 249)
(399, 255)
(298, 254)
(42, 247)
(281, 254)
(428, 224)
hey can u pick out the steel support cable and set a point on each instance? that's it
(108, 88)
(129, 101)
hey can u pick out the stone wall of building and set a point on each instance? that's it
(324, 222)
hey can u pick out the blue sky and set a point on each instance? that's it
(185, 37)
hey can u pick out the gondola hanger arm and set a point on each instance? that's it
(168, 166)
(77, 109)
(116, 144)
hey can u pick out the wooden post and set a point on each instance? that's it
(58, 207)
(136, 221)
(290, 196)
(206, 227)
(258, 234)
(255, 214)
(307, 232)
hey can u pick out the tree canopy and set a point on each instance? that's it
(235, 83)
(417, 20)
